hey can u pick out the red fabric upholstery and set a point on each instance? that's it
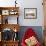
(29, 33)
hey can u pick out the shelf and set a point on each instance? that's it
(11, 41)
(7, 24)
(9, 19)
(9, 10)
(10, 26)
(5, 8)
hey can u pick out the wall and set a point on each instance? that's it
(27, 4)
(32, 4)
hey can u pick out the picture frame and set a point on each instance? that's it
(30, 13)
(5, 12)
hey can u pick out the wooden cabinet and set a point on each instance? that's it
(5, 26)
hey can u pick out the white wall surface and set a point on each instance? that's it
(32, 4)
(27, 4)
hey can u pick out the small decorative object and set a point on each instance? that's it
(5, 12)
(15, 3)
(6, 21)
(15, 36)
(7, 34)
(30, 13)
(15, 30)
(13, 12)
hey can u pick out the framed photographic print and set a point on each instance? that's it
(5, 12)
(30, 13)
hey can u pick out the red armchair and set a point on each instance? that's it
(30, 38)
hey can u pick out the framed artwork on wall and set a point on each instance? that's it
(30, 13)
(5, 12)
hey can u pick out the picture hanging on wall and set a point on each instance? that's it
(30, 13)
